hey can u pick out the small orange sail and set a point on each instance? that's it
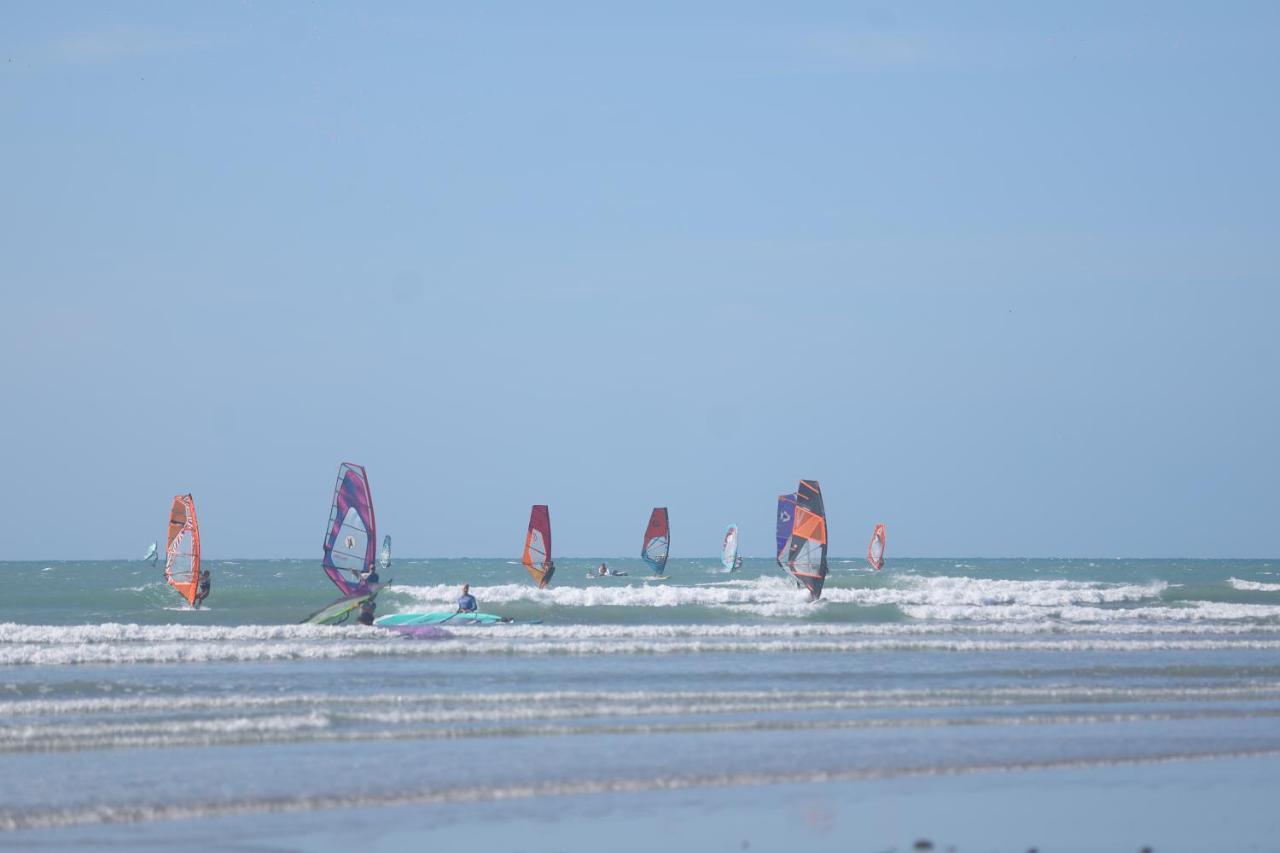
(182, 562)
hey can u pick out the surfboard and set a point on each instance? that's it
(446, 617)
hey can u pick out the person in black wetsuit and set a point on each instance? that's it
(366, 612)
(202, 591)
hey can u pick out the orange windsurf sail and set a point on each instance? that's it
(182, 549)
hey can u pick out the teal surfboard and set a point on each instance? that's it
(441, 617)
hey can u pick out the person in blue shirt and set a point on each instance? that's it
(370, 576)
(466, 601)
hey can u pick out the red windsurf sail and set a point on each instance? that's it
(657, 540)
(537, 546)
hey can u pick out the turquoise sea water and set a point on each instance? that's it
(123, 714)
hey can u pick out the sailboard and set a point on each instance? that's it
(340, 611)
(875, 548)
(384, 559)
(537, 546)
(786, 517)
(182, 548)
(153, 553)
(657, 540)
(443, 617)
(729, 558)
(806, 548)
(350, 542)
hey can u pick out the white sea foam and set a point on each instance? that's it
(455, 707)
(760, 594)
(594, 642)
(1254, 586)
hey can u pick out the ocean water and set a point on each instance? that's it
(127, 718)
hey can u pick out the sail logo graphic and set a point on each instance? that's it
(350, 541)
(784, 516)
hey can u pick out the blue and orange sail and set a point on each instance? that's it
(350, 542)
(805, 552)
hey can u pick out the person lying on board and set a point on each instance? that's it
(466, 601)
(202, 592)
(366, 612)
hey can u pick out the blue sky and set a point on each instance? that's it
(1002, 277)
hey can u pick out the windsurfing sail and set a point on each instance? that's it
(153, 553)
(182, 548)
(350, 543)
(657, 540)
(786, 517)
(875, 548)
(537, 546)
(729, 550)
(384, 559)
(806, 549)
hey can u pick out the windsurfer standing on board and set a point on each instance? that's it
(370, 576)
(466, 601)
(206, 581)
(548, 569)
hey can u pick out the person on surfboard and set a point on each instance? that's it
(202, 592)
(370, 576)
(366, 612)
(466, 601)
